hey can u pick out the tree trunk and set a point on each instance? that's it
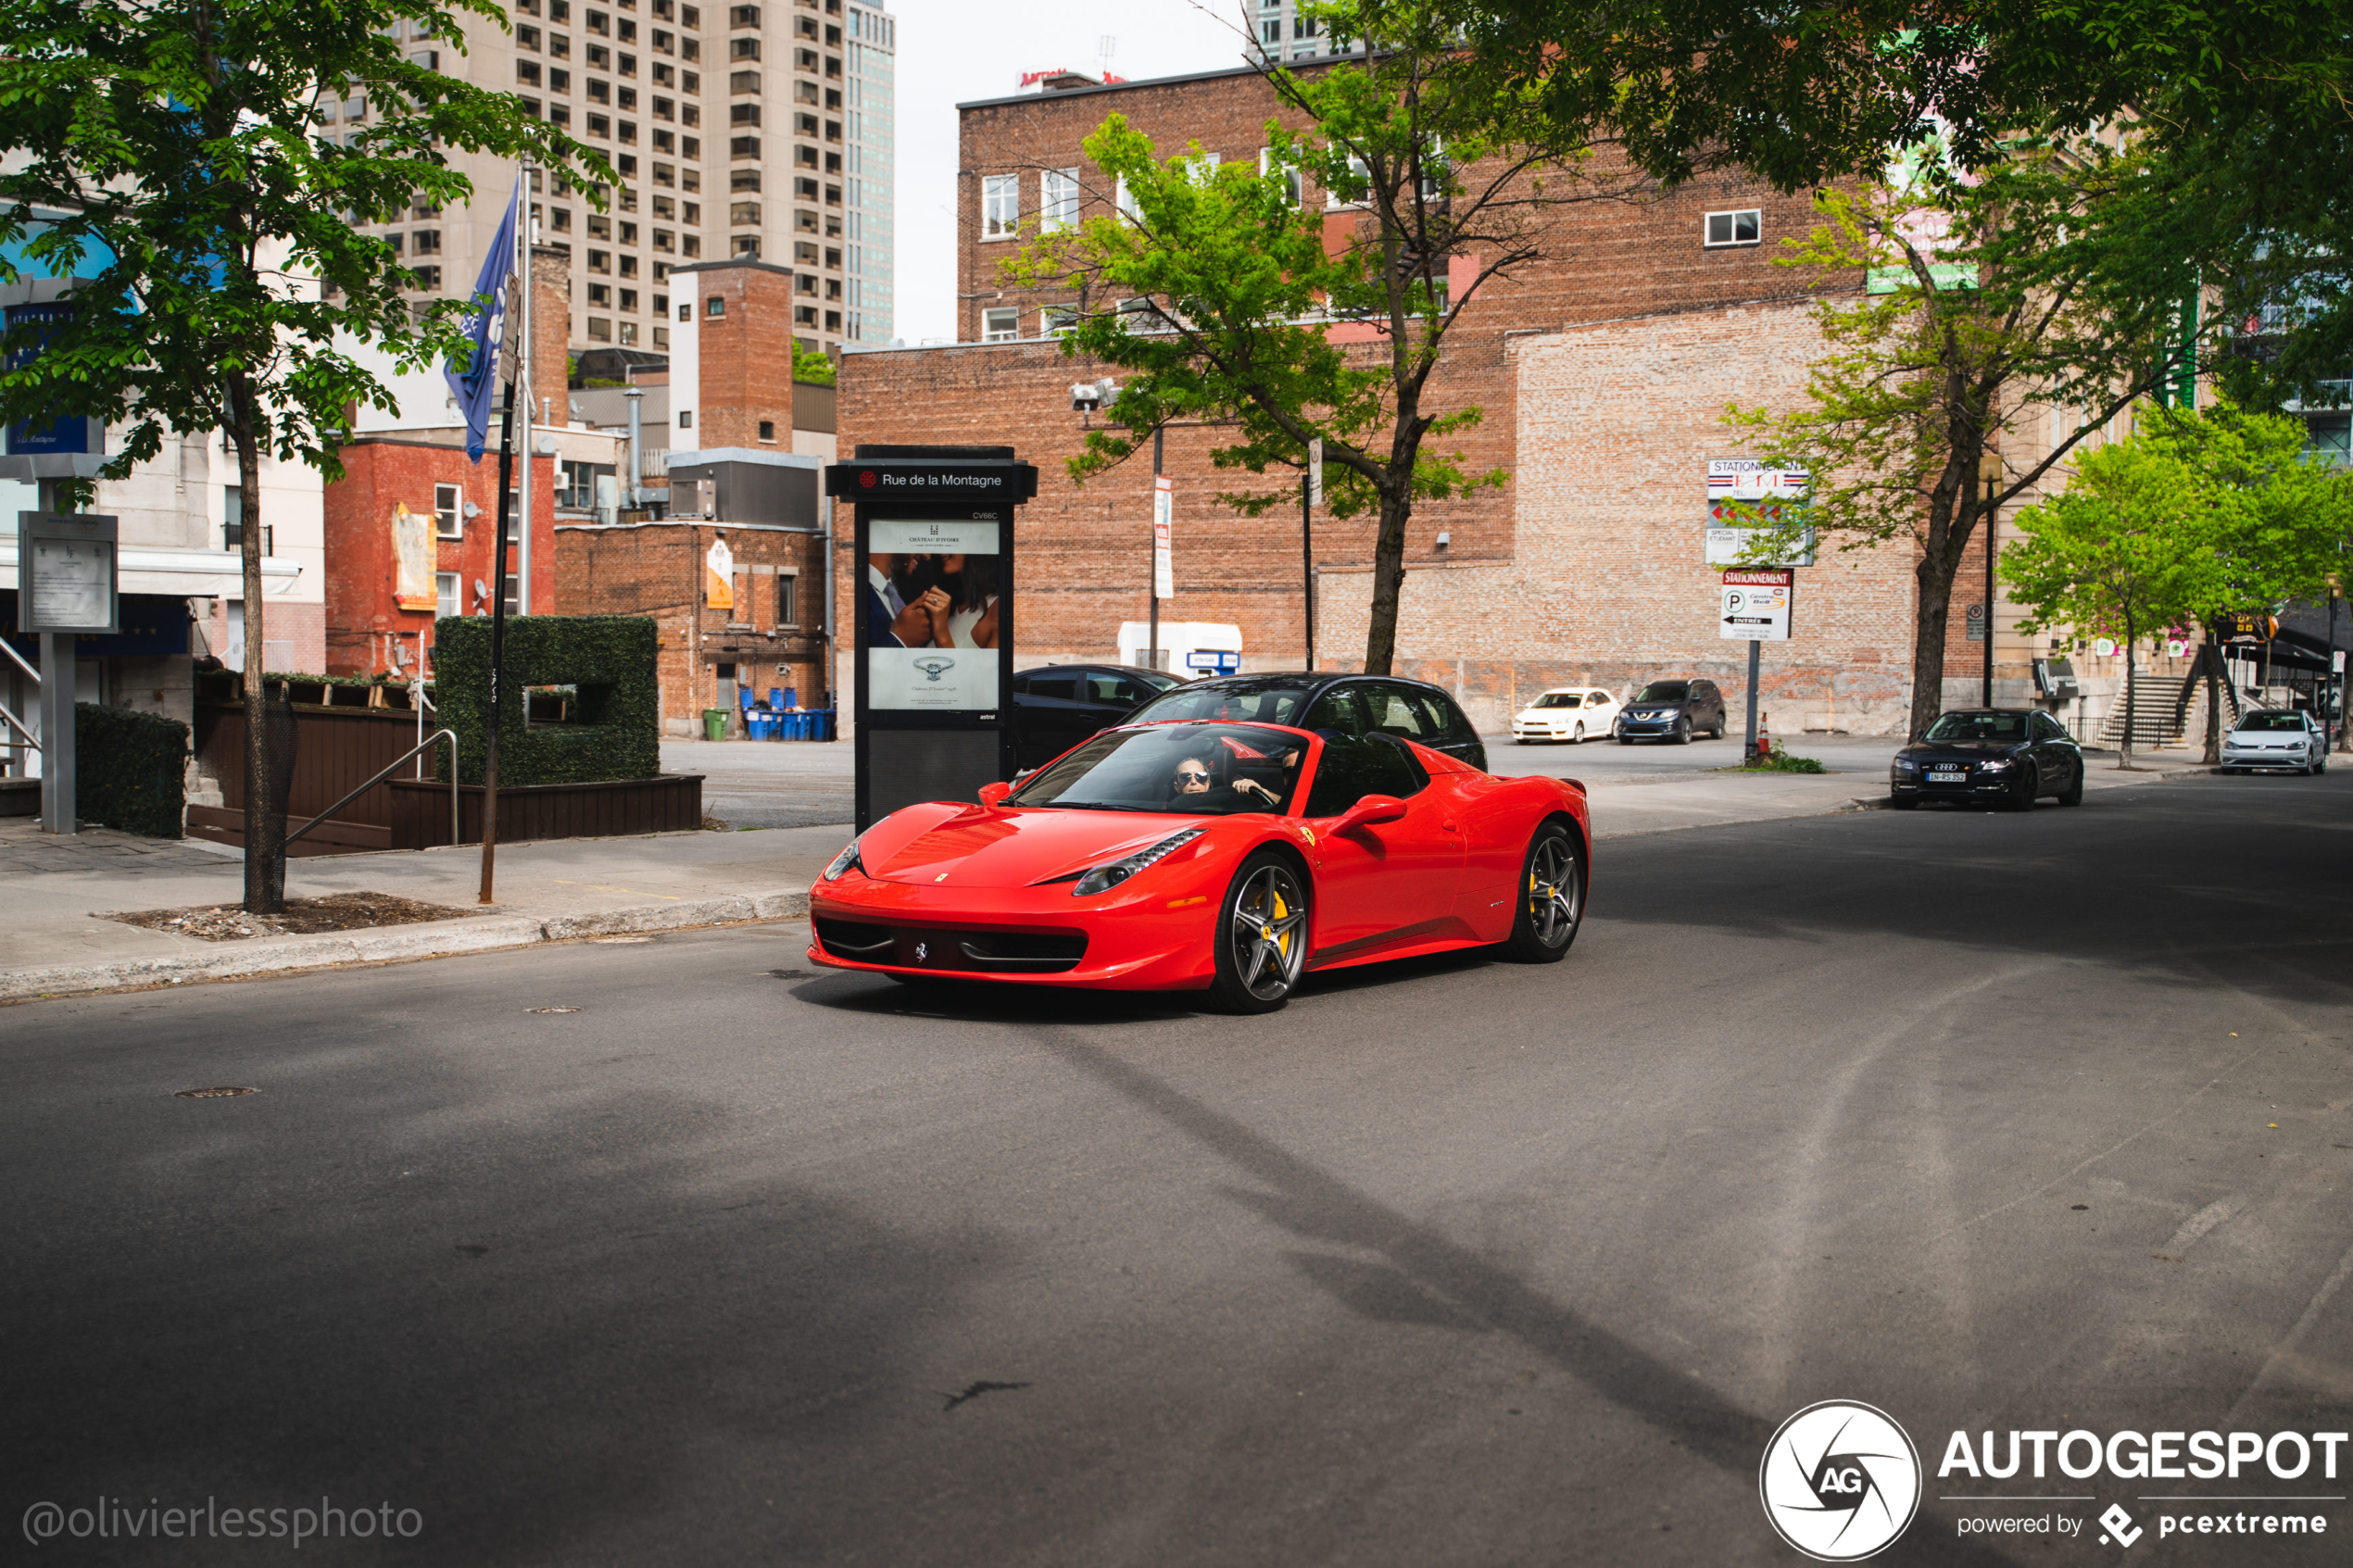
(1940, 564)
(265, 791)
(1389, 579)
(2210, 660)
(2124, 757)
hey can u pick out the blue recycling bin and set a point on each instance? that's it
(801, 726)
(744, 698)
(791, 699)
(776, 696)
(757, 726)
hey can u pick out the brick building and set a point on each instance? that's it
(1602, 373)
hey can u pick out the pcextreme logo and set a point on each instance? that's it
(1840, 1481)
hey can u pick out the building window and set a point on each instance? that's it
(742, 114)
(599, 330)
(425, 241)
(1056, 319)
(747, 245)
(600, 125)
(685, 419)
(743, 212)
(628, 333)
(1289, 173)
(716, 308)
(784, 607)
(449, 511)
(445, 593)
(1735, 228)
(527, 72)
(1058, 205)
(1000, 206)
(767, 430)
(743, 146)
(600, 295)
(1000, 325)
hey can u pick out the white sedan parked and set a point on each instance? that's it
(2273, 739)
(1569, 713)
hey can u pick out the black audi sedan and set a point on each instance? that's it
(2005, 757)
(1671, 710)
(1352, 705)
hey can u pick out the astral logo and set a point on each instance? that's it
(934, 669)
(1840, 1481)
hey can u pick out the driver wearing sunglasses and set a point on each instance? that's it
(1195, 789)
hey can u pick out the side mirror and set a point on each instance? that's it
(994, 795)
(1369, 812)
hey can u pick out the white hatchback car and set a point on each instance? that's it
(2270, 738)
(1569, 713)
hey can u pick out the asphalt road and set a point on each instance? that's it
(1993, 1121)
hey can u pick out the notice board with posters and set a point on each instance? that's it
(934, 590)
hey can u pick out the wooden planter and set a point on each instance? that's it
(671, 803)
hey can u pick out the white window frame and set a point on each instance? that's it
(1294, 185)
(1058, 200)
(1732, 227)
(1000, 206)
(1122, 201)
(448, 596)
(991, 331)
(449, 511)
(1363, 171)
(1053, 321)
(1201, 168)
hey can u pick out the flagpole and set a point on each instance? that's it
(523, 237)
(497, 649)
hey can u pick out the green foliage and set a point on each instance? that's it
(608, 658)
(1779, 761)
(811, 367)
(130, 770)
(180, 142)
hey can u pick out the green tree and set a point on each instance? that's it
(2126, 549)
(1997, 304)
(810, 366)
(2266, 521)
(1220, 288)
(179, 142)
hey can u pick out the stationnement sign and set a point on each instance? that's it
(1755, 605)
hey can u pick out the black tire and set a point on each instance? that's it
(1904, 802)
(1551, 898)
(2023, 797)
(1683, 731)
(1260, 937)
(2073, 793)
(1625, 740)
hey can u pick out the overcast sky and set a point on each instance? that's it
(954, 51)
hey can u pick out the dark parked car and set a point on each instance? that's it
(1056, 705)
(1672, 710)
(1351, 705)
(2008, 757)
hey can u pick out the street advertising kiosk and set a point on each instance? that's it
(933, 595)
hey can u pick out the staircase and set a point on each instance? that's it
(2160, 710)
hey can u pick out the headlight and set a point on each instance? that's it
(843, 862)
(1103, 879)
(1906, 765)
(1994, 765)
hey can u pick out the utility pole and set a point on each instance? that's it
(527, 233)
(1311, 495)
(498, 652)
(1991, 468)
(1152, 571)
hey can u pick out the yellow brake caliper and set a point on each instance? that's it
(1282, 943)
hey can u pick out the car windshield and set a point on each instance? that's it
(1664, 691)
(2270, 722)
(1212, 770)
(1979, 727)
(1559, 700)
(1265, 702)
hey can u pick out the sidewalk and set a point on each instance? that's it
(54, 940)
(560, 890)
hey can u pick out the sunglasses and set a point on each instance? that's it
(1186, 775)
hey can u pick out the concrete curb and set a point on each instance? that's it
(434, 939)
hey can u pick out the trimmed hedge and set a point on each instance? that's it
(130, 771)
(608, 658)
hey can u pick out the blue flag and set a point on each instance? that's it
(486, 328)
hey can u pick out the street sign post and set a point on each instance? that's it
(1975, 619)
(67, 585)
(1754, 608)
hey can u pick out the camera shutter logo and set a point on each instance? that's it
(1841, 1481)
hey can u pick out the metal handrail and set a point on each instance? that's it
(430, 741)
(12, 653)
(30, 740)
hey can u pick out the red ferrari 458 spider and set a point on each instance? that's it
(1230, 857)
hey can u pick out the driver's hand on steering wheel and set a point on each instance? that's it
(1252, 786)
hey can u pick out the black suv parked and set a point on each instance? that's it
(1351, 705)
(1672, 710)
(1056, 705)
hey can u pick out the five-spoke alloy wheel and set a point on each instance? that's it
(1261, 936)
(1552, 897)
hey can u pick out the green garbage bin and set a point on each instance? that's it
(714, 724)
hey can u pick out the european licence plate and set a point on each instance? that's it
(1947, 775)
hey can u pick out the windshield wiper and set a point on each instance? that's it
(1105, 806)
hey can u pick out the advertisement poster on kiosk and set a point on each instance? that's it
(934, 603)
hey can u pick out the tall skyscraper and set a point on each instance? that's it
(761, 130)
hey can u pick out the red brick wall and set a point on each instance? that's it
(381, 473)
(746, 353)
(657, 570)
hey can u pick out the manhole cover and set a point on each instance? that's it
(551, 1009)
(222, 1092)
